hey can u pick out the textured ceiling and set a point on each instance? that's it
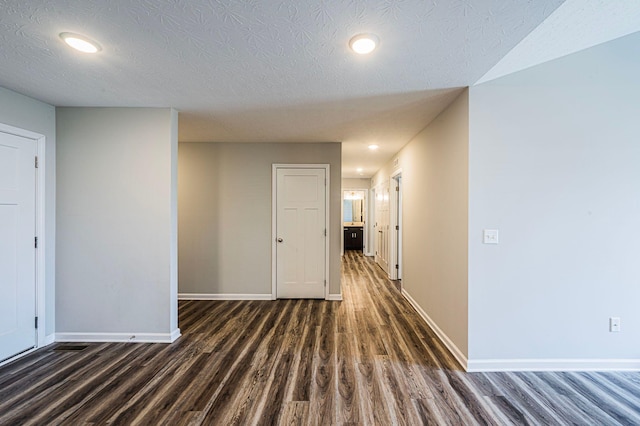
(252, 71)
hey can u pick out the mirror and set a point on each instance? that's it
(353, 206)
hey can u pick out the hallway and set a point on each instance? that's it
(369, 359)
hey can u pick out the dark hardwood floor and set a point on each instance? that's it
(369, 359)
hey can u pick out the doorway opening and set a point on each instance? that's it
(354, 220)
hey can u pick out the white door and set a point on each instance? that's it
(300, 233)
(17, 248)
(382, 227)
(395, 257)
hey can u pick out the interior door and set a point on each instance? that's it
(17, 248)
(395, 228)
(300, 233)
(382, 227)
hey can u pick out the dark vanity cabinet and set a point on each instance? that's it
(353, 239)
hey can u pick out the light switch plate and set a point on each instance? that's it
(490, 236)
(614, 324)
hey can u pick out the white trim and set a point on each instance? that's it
(457, 353)
(175, 334)
(41, 254)
(370, 226)
(394, 220)
(119, 337)
(365, 207)
(274, 227)
(222, 296)
(49, 339)
(335, 297)
(16, 131)
(327, 222)
(487, 365)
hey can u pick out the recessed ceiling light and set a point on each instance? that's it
(81, 43)
(373, 147)
(359, 169)
(363, 43)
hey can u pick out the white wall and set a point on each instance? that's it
(435, 192)
(20, 111)
(555, 166)
(225, 213)
(116, 222)
(351, 183)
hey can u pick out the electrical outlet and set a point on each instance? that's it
(490, 236)
(614, 324)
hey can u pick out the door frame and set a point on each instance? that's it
(365, 218)
(395, 220)
(274, 221)
(372, 223)
(380, 240)
(41, 255)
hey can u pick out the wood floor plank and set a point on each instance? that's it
(86, 385)
(322, 401)
(348, 409)
(395, 391)
(238, 404)
(374, 407)
(367, 360)
(229, 378)
(295, 413)
(304, 376)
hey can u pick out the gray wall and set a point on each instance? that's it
(555, 166)
(225, 213)
(20, 111)
(116, 221)
(435, 204)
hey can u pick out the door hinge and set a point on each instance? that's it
(36, 322)
(397, 227)
(325, 283)
(397, 188)
(325, 232)
(36, 242)
(36, 164)
(397, 266)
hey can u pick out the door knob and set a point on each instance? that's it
(280, 240)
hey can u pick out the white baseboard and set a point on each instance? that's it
(487, 365)
(174, 335)
(222, 296)
(119, 337)
(457, 353)
(335, 297)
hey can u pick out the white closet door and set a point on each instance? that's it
(17, 245)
